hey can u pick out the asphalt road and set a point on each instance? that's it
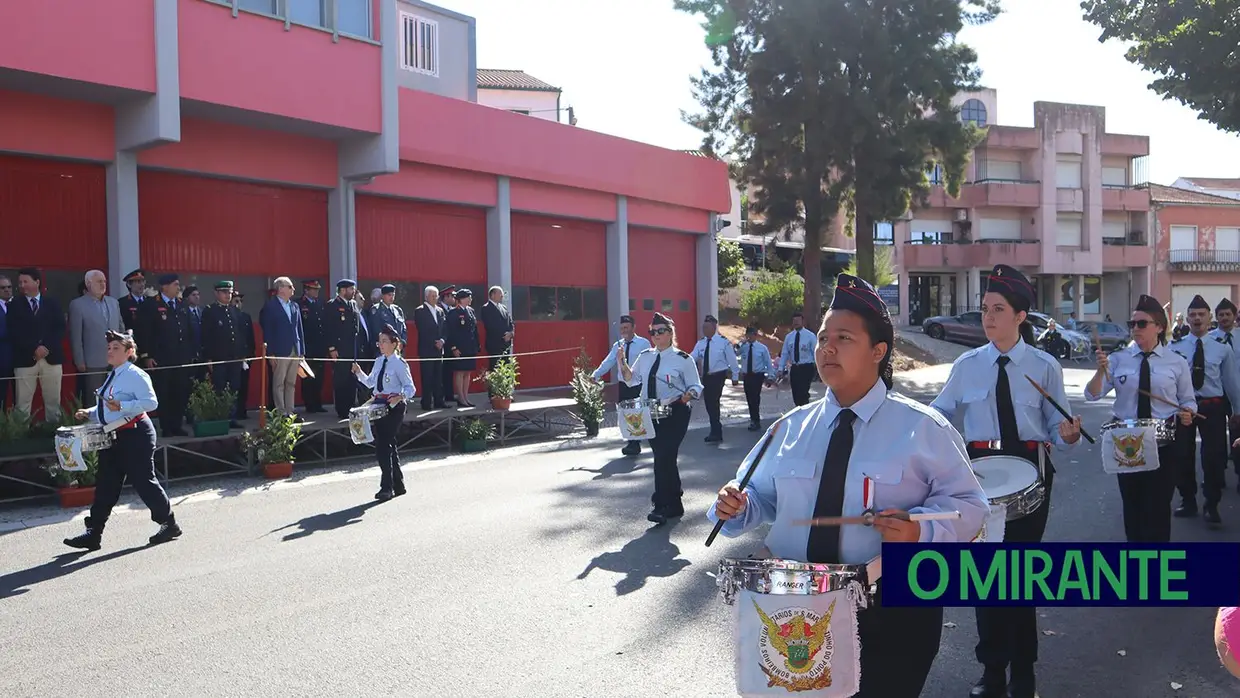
(525, 572)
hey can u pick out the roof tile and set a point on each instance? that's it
(1174, 195)
(495, 79)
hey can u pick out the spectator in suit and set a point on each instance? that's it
(37, 327)
(245, 329)
(498, 324)
(193, 305)
(429, 320)
(280, 319)
(447, 301)
(91, 317)
(6, 345)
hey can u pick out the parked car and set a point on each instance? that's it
(965, 328)
(1075, 344)
(1113, 337)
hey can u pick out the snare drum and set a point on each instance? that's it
(1012, 483)
(72, 442)
(360, 419)
(658, 410)
(795, 625)
(1131, 445)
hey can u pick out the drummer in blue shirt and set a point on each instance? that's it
(392, 383)
(907, 456)
(630, 344)
(1144, 368)
(1004, 415)
(756, 369)
(126, 396)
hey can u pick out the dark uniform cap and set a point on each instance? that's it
(447, 289)
(751, 330)
(464, 293)
(388, 288)
(167, 279)
(345, 283)
(711, 318)
(628, 319)
(390, 332)
(661, 319)
(1198, 303)
(858, 296)
(311, 283)
(1150, 305)
(1225, 304)
(114, 336)
(224, 285)
(1009, 280)
(135, 275)
(238, 294)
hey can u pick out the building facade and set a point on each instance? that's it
(517, 91)
(1059, 200)
(356, 150)
(1197, 246)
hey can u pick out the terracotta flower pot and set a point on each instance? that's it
(74, 497)
(275, 471)
(501, 403)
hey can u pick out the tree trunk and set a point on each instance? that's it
(812, 261)
(864, 236)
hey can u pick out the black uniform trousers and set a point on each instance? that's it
(1214, 449)
(668, 435)
(753, 394)
(497, 354)
(712, 393)
(431, 368)
(1006, 635)
(800, 376)
(1147, 499)
(898, 648)
(312, 388)
(385, 430)
(228, 377)
(344, 387)
(172, 386)
(132, 458)
(630, 392)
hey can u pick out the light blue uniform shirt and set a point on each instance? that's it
(972, 382)
(129, 385)
(722, 355)
(761, 358)
(1222, 378)
(1231, 339)
(635, 346)
(915, 457)
(809, 344)
(677, 375)
(396, 378)
(1169, 379)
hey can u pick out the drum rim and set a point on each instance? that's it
(1139, 423)
(1024, 463)
(774, 563)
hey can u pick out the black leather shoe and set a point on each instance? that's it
(169, 530)
(632, 448)
(993, 684)
(383, 495)
(714, 438)
(91, 540)
(754, 426)
(1187, 509)
(657, 516)
(1211, 515)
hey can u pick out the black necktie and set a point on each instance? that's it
(1144, 411)
(824, 541)
(749, 361)
(102, 390)
(628, 345)
(1199, 366)
(706, 358)
(1009, 434)
(379, 380)
(34, 305)
(651, 383)
(1227, 339)
(796, 346)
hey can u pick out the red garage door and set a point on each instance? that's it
(53, 216)
(663, 278)
(559, 295)
(207, 229)
(412, 244)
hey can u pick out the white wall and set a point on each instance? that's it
(541, 105)
(733, 216)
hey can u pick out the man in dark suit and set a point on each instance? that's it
(135, 281)
(222, 341)
(245, 329)
(342, 327)
(37, 328)
(429, 318)
(6, 345)
(280, 319)
(498, 324)
(165, 345)
(447, 301)
(316, 344)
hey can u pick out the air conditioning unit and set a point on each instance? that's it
(962, 214)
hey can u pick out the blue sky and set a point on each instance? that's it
(624, 65)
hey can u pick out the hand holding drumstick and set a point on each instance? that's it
(1104, 363)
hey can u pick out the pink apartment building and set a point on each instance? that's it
(1057, 199)
(1197, 242)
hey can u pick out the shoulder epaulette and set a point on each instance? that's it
(682, 354)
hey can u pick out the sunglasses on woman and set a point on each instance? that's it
(1139, 323)
(660, 330)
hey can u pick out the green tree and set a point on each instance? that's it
(773, 299)
(884, 267)
(824, 103)
(1190, 45)
(731, 262)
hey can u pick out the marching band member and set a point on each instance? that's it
(632, 345)
(1147, 367)
(1005, 415)
(1216, 381)
(878, 444)
(716, 357)
(392, 383)
(667, 374)
(1225, 313)
(755, 368)
(126, 396)
(797, 359)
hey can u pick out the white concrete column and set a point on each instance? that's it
(499, 239)
(961, 296)
(1078, 296)
(122, 199)
(618, 266)
(975, 288)
(341, 233)
(707, 272)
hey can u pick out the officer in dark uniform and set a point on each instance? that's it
(249, 348)
(135, 281)
(193, 308)
(222, 341)
(343, 331)
(447, 301)
(386, 312)
(165, 340)
(316, 344)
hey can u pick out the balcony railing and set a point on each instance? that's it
(1204, 260)
(352, 18)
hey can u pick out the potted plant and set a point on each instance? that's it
(211, 409)
(502, 382)
(588, 393)
(474, 435)
(76, 488)
(273, 444)
(15, 439)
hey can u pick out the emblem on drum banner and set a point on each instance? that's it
(634, 422)
(795, 647)
(1129, 449)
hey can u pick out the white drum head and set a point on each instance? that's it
(1001, 476)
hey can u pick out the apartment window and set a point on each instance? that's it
(884, 234)
(974, 112)
(307, 12)
(1000, 170)
(420, 45)
(1068, 172)
(267, 7)
(1068, 233)
(1183, 237)
(1114, 230)
(1114, 177)
(934, 173)
(1227, 239)
(999, 229)
(353, 17)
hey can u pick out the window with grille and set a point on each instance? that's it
(419, 45)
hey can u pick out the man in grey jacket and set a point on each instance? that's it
(90, 317)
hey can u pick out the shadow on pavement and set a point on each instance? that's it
(326, 522)
(619, 466)
(652, 554)
(17, 583)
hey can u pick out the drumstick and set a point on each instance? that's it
(753, 467)
(1056, 405)
(1106, 371)
(868, 518)
(1165, 401)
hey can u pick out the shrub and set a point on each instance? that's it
(773, 300)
